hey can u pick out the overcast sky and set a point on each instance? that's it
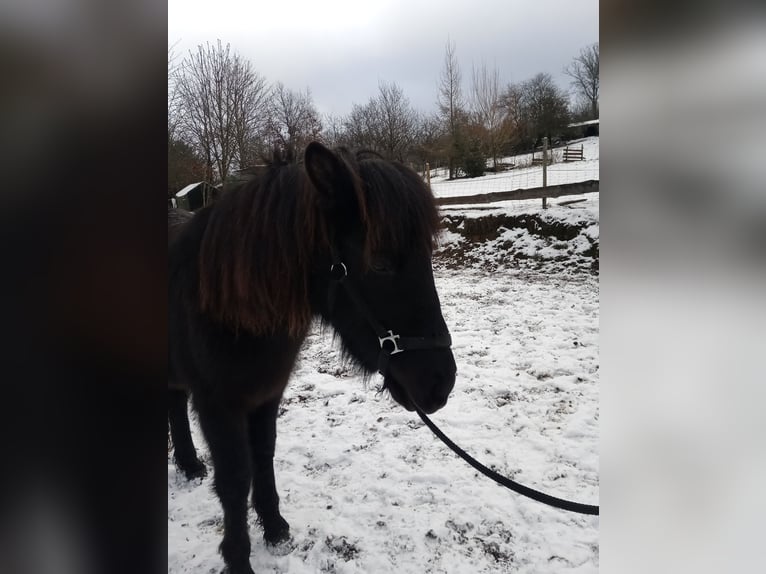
(341, 49)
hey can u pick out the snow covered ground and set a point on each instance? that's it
(364, 484)
(523, 176)
(368, 489)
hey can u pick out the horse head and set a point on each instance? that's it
(375, 285)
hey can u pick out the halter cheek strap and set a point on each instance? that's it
(391, 343)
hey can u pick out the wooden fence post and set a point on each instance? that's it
(545, 170)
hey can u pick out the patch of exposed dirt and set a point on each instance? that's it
(530, 241)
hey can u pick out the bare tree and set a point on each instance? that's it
(293, 119)
(362, 126)
(428, 139)
(398, 121)
(184, 164)
(387, 124)
(517, 126)
(537, 108)
(488, 111)
(584, 73)
(250, 102)
(334, 130)
(547, 106)
(220, 98)
(173, 111)
(451, 105)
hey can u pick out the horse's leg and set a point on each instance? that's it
(226, 435)
(184, 455)
(263, 435)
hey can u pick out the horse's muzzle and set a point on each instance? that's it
(425, 379)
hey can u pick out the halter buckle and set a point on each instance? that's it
(393, 338)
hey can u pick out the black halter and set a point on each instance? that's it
(391, 343)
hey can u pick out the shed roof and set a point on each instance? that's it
(588, 123)
(188, 188)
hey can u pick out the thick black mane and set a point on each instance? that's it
(263, 237)
(256, 250)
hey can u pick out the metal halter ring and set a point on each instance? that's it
(334, 271)
(391, 337)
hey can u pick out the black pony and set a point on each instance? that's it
(343, 238)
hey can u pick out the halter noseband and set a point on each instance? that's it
(390, 343)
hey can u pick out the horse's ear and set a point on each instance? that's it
(331, 176)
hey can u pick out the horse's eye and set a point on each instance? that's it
(382, 266)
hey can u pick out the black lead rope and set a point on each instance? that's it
(505, 481)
